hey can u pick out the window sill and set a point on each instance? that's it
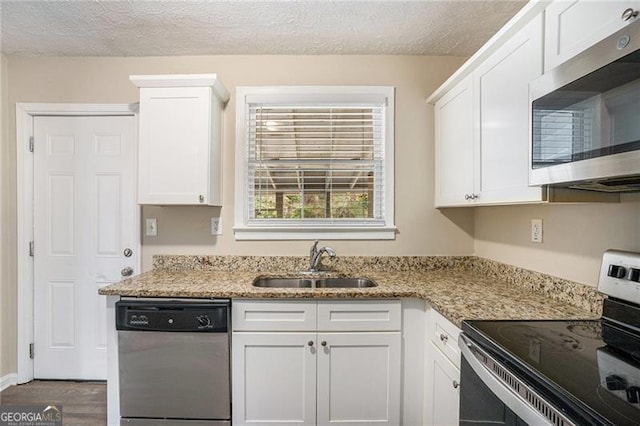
(311, 233)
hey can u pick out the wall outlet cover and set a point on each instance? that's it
(216, 226)
(536, 230)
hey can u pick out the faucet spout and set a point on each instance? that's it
(315, 254)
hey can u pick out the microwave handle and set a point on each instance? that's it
(515, 402)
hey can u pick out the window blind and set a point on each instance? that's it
(318, 163)
(561, 136)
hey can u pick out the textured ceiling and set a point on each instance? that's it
(158, 28)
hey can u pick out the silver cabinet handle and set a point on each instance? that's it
(455, 384)
(126, 272)
(323, 343)
(310, 343)
(127, 252)
(467, 196)
(444, 337)
(201, 198)
(629, 14)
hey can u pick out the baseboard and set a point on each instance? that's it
(10, 379)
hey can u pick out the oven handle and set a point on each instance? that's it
(512, 400)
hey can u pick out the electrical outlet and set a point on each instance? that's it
(536, 230)
(151, 227)
(216, 226)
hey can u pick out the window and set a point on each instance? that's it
(314, 162)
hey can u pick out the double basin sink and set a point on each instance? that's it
(269, 282)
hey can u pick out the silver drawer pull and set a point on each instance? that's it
(455, 384)
(126, 272)
(444, 337)
(323, 343)
(310, 343)
(628, 14)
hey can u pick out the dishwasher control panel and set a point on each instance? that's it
(172, 316)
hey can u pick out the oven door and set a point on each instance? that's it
(489, 394)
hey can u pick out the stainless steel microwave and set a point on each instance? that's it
(585, 118)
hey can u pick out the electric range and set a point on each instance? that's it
(582, 372)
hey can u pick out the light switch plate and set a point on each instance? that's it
(151, 227)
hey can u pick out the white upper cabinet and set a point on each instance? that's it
(572, 26)
(502, 115)
(454, 146)
(482, 128)
(180, 127)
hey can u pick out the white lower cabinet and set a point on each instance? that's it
(358, 378)
(274, 378)
(442, 389)
(442, 371)
(316, 377)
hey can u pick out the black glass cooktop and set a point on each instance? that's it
(573, 364)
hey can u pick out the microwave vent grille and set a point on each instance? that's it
(621, 184)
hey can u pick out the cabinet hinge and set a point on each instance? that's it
(30, 143)
(31, 249)
(31, 351)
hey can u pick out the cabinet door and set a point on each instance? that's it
(359, 378)
(174, 145)
(274, 378)
(502, 90)
(573, 26)
(454, 140)
(442, 390)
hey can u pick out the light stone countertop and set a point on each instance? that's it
(462, 288)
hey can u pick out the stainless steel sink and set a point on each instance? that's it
(269, 282)
(283, 282)
(344, 283)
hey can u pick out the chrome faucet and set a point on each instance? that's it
(316, 253)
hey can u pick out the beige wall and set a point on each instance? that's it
(7, 268)
(422, 229)
(574, 236)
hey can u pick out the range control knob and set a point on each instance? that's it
(617, 271)
(633, 394)
(203, 320)
(616, 383)
(634, 275)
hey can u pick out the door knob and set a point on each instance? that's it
(126, 272)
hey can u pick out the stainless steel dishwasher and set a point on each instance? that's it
(174, 361)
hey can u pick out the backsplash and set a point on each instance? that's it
(344, 264)
(559, 289)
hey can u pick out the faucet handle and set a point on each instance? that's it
(314, 248)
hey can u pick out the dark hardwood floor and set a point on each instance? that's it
(83, 403)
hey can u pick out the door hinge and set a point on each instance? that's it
(31, 351)
(30, 143)
(31, 249)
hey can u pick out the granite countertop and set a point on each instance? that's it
(459, 288)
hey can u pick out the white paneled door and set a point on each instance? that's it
(85, 216)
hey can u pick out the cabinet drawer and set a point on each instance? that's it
(444, 335)
(266, 315)
(364, 315)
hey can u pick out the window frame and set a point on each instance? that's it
(243, 230)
